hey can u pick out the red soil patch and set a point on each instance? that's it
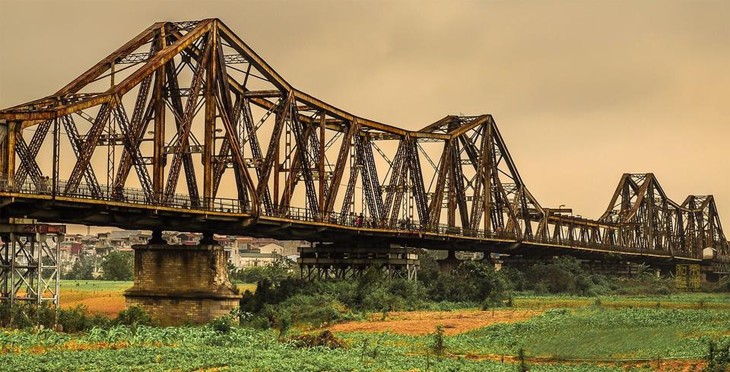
(425, 322)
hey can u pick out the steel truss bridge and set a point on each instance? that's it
(186, 128)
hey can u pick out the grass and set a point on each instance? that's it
(185, 348)
(685, 300)
(586, 334)
(94, 286)
(599, 333)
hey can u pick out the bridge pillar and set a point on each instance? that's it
(178, 284)
(450, 263)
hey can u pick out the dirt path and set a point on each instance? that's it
(425, 322)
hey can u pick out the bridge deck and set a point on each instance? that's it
(224, 218)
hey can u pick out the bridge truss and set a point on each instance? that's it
(185, 127)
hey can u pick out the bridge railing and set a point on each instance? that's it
(125, 195)
(230, 205)
(403, 225)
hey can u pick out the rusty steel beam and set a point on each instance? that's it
(105, 64)
(353, 128)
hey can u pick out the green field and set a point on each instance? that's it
(153, 349)
(95, 285)
(689, 300)
(572, 334)
(583, 339)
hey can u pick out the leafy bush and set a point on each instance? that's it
(223, 324)
(275, 273)
(472, 281)
(83, 269)
(28, 315)
(78, 319)
(438, 346)
(134, 316)
(718, 356)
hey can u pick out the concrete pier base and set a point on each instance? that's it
(449, 264)
(181, 284)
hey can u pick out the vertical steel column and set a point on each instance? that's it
(276, 166)
(488, 178)
(11, 277)
(159, 157)
(5, 283)
(57, 271)
(111, 144)
(322, 176)
(9, 154)
(56, 156)
(36, 247)
(210, 118)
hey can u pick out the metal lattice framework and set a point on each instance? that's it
(186, 127)
(654, 222)
(29, 262)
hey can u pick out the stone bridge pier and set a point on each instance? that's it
(182, 284)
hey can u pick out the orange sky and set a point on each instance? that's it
(581, 91)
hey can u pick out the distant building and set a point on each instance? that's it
(243, 251)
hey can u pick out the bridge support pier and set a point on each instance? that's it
(450, 263)
(178, 284)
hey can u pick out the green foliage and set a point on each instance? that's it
(134, 316)
(472, 281)
(428, 271)
(223, 324)
(95, 285)
(203, 348)
(562, 275)
(566, 275)
(78, 319)
(523, 363)
(559, 334)
(438, 347)
(622, 333)
(275, 273)
(294, 301)
(324, 339)
(118, 266)
(718, 356)
(28, 315)
(82, 269)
